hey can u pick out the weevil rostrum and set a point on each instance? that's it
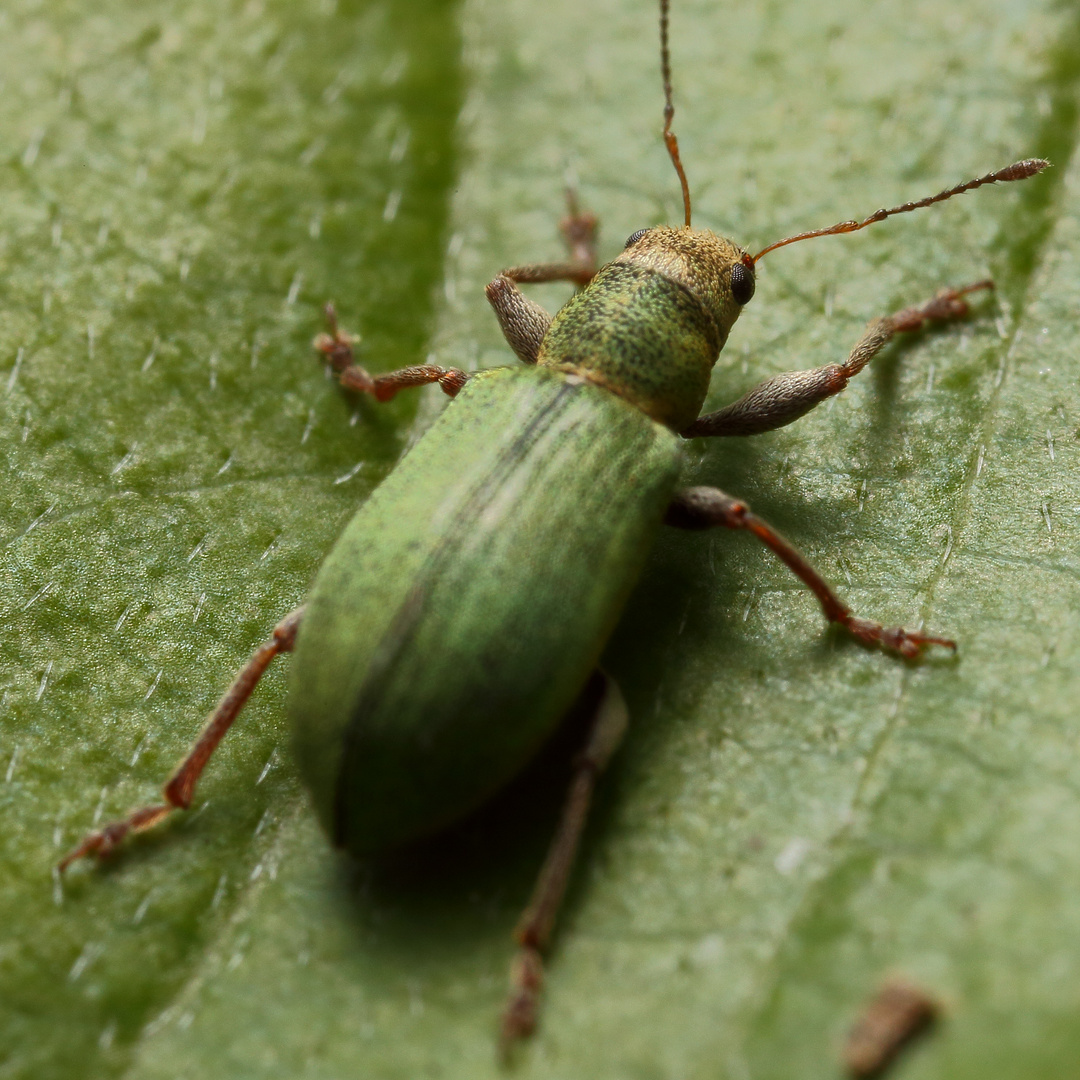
(459, 618)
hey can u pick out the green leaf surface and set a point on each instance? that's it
(793, 817)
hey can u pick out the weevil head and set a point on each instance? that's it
(715, 271)
(651, 324)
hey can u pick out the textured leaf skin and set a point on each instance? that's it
(463, 608)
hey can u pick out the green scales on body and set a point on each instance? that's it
(461, 615)
(461, 564)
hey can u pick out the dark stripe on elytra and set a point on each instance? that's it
(403, 627)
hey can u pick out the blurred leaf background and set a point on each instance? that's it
(793, 817)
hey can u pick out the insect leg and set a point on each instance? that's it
(579, 233)
(524, 322)
(534, 928)
(706, 508)
(180, 787)
(336, 346)
(784, 398)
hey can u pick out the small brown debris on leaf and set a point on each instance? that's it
(897, 1013)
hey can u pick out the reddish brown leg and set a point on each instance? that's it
(948, 304)
(579, 233)
(336, 346)
(706, 508)
(523, 321)
(180, 787)
(784, 398)
(533, 931)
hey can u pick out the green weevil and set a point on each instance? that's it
(462, 614)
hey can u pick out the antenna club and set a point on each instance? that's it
(1023, 169)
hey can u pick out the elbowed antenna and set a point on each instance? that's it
(670, 141)
(1021, 170)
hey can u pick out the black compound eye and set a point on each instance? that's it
(633, 238)
(742, 283)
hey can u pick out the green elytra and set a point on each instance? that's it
(462, 613)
